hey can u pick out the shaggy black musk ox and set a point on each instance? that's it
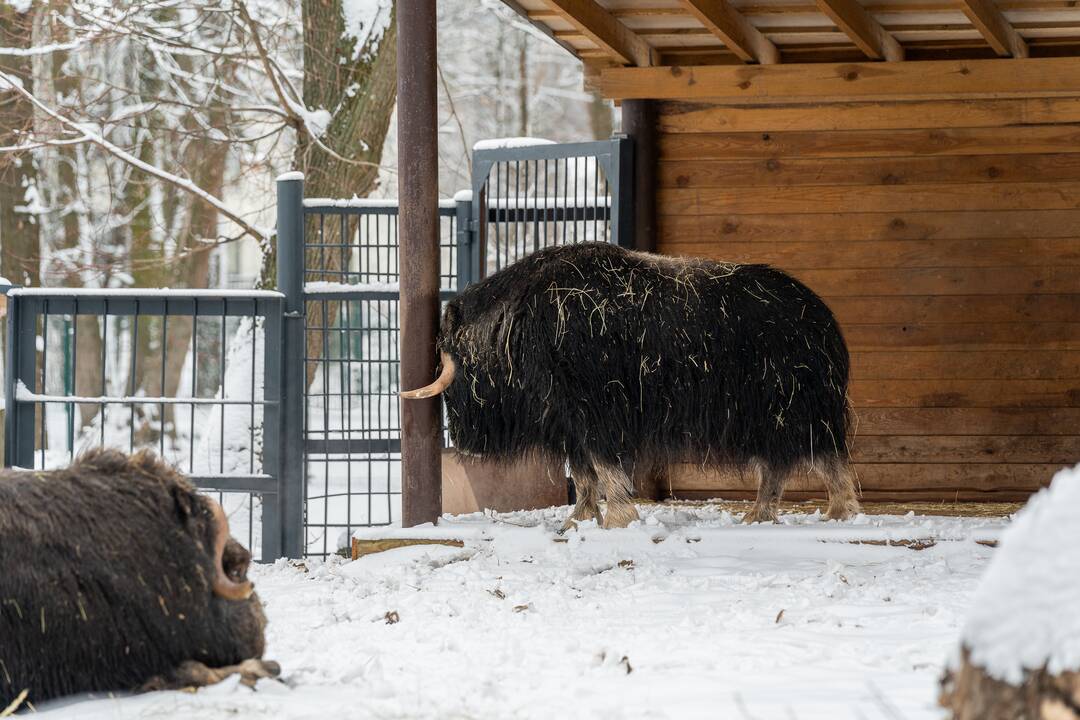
(621, 361)
(116, 575)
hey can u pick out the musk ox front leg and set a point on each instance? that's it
(194, 674)
(587, 506)
(770, 489)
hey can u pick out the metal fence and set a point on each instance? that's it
(523, 199)
(351, 434)
(285, 403)
(532, 197)
(193, 375)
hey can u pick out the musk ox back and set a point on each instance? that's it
(115, 573)
(621, 361)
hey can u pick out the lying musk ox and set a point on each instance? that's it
(624, 362)
(116, 575)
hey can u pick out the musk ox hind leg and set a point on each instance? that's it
(617, 487)
(194, 674)
(770, 488)
(840, 479)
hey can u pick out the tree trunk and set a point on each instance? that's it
(523, 85)
(600, 117)
(19, 237)
(360, 93)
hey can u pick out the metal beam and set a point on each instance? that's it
(987, 18)
(737, 33)
(607, 31)
(866, 32)
(418, 223)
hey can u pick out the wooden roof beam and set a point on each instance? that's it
(846, 81)
(604, 29)
(987, 18)
(866, 32)
(736, 32)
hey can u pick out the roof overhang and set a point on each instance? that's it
(706, 46)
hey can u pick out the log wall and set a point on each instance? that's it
(944, 234)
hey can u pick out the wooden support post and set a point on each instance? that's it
(639, 123)
(418, 198)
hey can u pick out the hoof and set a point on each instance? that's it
(843, 511)
(760, 515)
(251, 671)
(620, 517)
(570, 524)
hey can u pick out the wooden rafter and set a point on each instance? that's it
(863, 29)
(987, 17)
(841, 82)
(605, 30)
(736, 32)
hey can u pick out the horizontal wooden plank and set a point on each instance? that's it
(1026, 364)
(846, 81)
(1036, 449)
(936, 495)
(694, 117)
(823, 253)
(979, 477)
(931, 309)
(872, 198)
(871, 143)
(967, 337)
(942, 281)
(921, 170)
(965, 393)
(976, 478)
(967, 421)
(863, 227)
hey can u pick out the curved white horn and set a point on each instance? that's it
(445, 378)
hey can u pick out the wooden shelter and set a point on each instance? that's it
(915, 162)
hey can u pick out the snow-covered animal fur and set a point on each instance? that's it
(115, 574)
(621, 361)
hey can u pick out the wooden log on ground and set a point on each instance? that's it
(360, 547)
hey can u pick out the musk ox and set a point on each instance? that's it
(116, 575)
(622, 362)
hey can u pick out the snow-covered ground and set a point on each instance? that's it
(686, 614)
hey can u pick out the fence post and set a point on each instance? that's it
(290, 282)
(465, 237)
(20, 367)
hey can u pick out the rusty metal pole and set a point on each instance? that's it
(639, 123)
(418, 228)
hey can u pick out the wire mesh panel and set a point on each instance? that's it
(352, 437)
(190, 375)
(533, 197)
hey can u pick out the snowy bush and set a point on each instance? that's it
(1020, 655)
